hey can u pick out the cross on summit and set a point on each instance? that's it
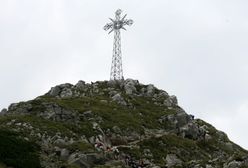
(115, 25)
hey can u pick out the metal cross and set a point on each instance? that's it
(115, 25)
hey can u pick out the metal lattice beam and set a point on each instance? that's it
(115, 26)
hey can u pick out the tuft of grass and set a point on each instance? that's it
(81, 146)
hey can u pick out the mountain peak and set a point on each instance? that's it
(114, 124)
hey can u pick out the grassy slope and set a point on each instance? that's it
(145, 114)
(17, 152)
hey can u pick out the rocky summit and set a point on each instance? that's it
(111, 124)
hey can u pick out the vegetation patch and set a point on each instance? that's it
(17, 152)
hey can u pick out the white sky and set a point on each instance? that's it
(194, 49)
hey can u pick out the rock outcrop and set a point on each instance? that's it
(113, 124)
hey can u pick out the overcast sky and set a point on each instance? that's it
(194, 49)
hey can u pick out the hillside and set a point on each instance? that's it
(111, 124)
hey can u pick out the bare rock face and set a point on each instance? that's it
(150, 90)
(170, 101)
(56, 113)
(55, 91)
(66, 93)
(20, 108)
(191, 131)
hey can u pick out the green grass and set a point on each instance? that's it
(17, 152)
(139, 114)
(185, 149)
(81, 146)
(144, 114)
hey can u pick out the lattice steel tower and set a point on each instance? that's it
(117, 24)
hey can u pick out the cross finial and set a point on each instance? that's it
(118, 23)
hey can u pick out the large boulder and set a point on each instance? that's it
(80, 85)
(171, 101)
(3, 111)
(182, 119)
(66, 93)
(129, 86)
(20, 108)
(55, 91)
(192, 131)
(177, 120)
(119, 99)
(172, 160)
(150, 90)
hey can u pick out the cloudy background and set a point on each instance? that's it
(194, 49)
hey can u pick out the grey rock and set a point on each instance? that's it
(78, 159)
(176, 120)
(20, 108)
(172, 160)
(132, 136)
(150, 90)
(66, 93)
(87, 114)
(64, 154)
(92, 140)
(171, 119)
(191, 131)
(198, 166)
(18, 124)
(95, 90)
(170, 101)
(233, 164)
(112, 93)
(207, 137)
(222, 136)
(112, 83)
(54, 91)
(56, 113)
(60, 142)
(245, 162)
(147, 153)
(38, 135)
(80, 85)
(13, 106)
(65, 85)
(163, 94)
(116, 129)
(182, 119)
(119, 99)
(129, 86)
(71, 141)
(174, 99)
(3, 111)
